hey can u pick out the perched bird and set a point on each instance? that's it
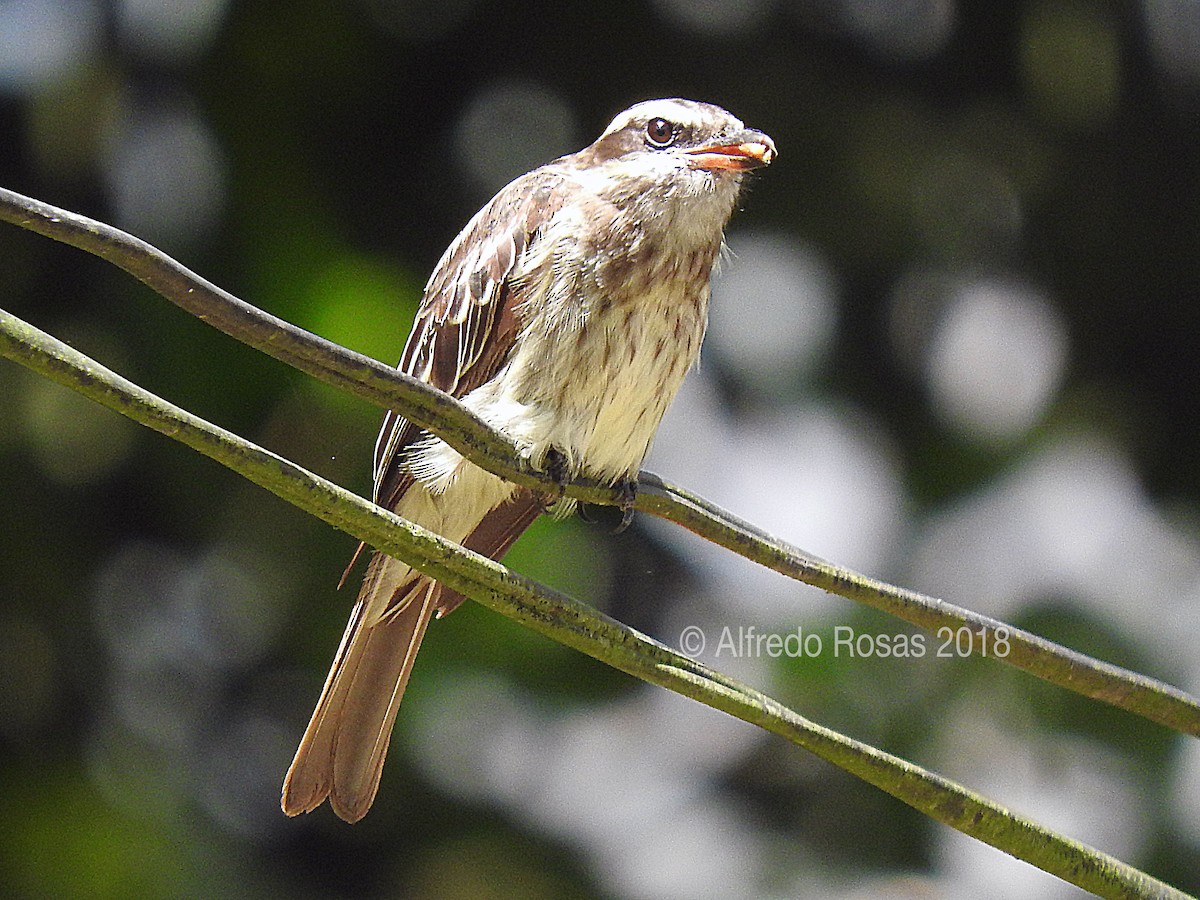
(566, 315)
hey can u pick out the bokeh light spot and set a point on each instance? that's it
(996, 359)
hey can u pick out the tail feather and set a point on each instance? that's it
(369, 711)
(341, 755)
(342, 752)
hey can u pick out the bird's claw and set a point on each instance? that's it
(628, 490)
(556, 468)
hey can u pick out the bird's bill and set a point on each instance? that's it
(753, 151)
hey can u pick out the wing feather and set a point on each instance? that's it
(468, 318)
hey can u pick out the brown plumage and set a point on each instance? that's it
(566, 314)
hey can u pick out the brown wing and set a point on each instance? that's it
(468, 320)
(497, 532)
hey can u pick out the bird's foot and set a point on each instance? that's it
(628, 490)
(556, 467)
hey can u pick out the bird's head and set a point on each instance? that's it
(668, 135)
(676, 164)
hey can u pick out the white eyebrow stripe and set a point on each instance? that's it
(683, 112)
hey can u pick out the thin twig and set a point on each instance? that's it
(1059, 665)
(382, 385)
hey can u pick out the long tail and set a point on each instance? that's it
(342, 752)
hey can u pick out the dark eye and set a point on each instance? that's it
(660, 132)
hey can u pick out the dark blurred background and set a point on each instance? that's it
(954, 346)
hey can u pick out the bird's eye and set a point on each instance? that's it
(660, 132)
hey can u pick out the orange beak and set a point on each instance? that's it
(752, 150)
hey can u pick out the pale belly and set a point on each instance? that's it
(598, 407)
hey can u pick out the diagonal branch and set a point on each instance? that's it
(576, 625)
(1147, 697)
(463, 430)
(360, 375)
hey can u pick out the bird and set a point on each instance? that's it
(566, 315)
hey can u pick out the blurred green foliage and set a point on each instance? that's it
(1041, 136)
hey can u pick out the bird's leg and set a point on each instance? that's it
(556, 467)
(628, 490)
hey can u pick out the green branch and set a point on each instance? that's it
(360, 375)
(462, 429)
(571, 623)
(1066, 668)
